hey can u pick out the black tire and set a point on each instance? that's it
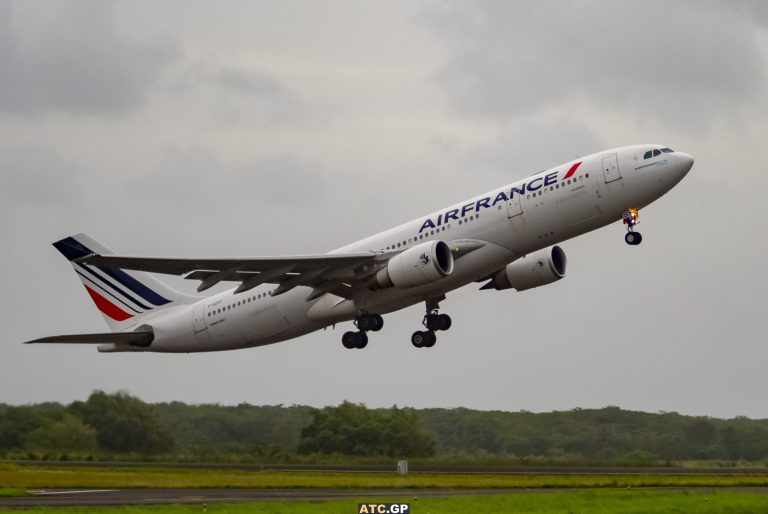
(630, 238)
(378, 322)
(364, 322)
(433, 322)
(418, 339)
(431, 339)
(349, 340)
(639, 238)
(445, 322)
(362, 340)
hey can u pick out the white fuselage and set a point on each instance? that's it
(510, 222)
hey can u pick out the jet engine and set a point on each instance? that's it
(422, 264)
(534, 270)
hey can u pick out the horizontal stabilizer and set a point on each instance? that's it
(142, 339)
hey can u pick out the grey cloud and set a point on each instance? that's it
(246, 82)
(188, 176)
(528, 145)
(243, 96)
(74, 61)
(36, 175)
(686, 63)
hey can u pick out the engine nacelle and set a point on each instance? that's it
(422, 264)
(534, 270)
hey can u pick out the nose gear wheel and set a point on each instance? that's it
(630, 219)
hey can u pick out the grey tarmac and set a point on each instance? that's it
(118, 497)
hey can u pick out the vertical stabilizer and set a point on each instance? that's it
(122, 297)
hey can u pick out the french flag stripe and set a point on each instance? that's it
(96, 285)
(92, 271)
(107, 307)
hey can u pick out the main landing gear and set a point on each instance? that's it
(630, 219)
(433, 321)
(364, 323)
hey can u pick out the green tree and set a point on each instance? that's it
(69, 434)
(124, 423)
(16, 423)
(353, 429)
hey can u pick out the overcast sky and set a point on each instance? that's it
(266, 128)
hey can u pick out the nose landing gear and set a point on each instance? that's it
(433, 321)
(630, 219)
(365, 322)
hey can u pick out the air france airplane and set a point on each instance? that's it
(505, 239)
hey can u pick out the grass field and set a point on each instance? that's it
(31, 477)
(12, 491)
(593, 502)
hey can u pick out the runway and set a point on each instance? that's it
(117, 497)
(415, 468)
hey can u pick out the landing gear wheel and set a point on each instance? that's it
(367, 322)
(352, 340)
(423, 339)
(432, 322)
(418, 339)
(435, 322)
(378, 322)
(633, 238)
(349, 340)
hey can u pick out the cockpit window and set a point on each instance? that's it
(654, 153)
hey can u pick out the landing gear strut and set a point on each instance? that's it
(630, 219)
(364, 323)
(433, 321)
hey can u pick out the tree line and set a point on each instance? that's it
(120, 426)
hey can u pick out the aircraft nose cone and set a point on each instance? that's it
(686, 161)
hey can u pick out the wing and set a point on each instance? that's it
(132, 338)
(338, 274)
(333, 273)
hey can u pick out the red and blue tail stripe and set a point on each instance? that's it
(117, 294)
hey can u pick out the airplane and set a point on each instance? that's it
(505, 239)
